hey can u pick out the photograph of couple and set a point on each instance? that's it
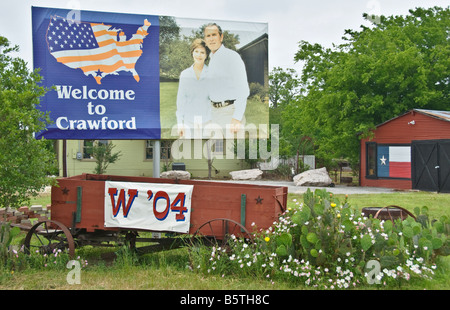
(214, 94)
(214, 88)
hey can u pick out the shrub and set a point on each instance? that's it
(13, 258)
(325, 243)
(7, 233)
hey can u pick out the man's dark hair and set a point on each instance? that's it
(213, 24)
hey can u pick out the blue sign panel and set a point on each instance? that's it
(102, 70)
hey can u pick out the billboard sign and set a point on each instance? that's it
(133, 76)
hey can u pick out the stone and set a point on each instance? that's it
(42, 218)
(12, 219)
(26, 222)
(176, 175)
(36, 208)
(249, 174)
(23, 209)
(315, 177)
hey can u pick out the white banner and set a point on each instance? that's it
(148, 206)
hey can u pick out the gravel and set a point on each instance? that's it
(337, 189)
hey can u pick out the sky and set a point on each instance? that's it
(289, 21)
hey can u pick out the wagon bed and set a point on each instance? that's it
(217, 208)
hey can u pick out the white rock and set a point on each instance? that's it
(176, 174)
(250, 174)
(314, 177)
(36, 208)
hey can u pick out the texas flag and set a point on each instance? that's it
(394, 161)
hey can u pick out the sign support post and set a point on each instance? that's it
(156, 158)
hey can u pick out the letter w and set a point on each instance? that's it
(64, 92)
(132, 194)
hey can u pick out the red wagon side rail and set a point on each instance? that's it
(79, 202)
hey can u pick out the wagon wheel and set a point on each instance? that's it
(393, 208)
(48, 236)
(217, 232)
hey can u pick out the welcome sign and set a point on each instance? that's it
(105, 73)
(118, 76)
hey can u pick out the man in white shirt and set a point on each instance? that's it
(228, 85)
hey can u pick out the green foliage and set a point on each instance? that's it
(326, 243)
(175, 55)
(284, 91)
(7, 233)
(25, 166)
(283, 86)
(104, 156)
(258, 91)
(380, 72)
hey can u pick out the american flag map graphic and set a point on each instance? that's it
(95, 48)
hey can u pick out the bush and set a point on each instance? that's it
(328, 244)
(7, 233)
(258, 91)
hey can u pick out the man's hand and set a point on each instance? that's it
(235, 125)
(181, 131)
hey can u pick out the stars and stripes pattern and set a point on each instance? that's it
(95, 48)
(394, 161)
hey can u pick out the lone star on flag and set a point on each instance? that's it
(383, 160)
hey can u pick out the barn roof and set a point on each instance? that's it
(442, 115)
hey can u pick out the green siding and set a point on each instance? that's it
(133, 161)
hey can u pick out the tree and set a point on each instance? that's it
(104, 156)
(24, 161)
(380, 72)
(174, 49)
(283, 92)
(169, 45)
(176, 59)
(283, 86)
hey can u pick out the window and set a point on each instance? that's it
(87, 149)
(218, 147)
(388, 161)
(165, 145)
(149, 149)
(88, 145)
(371, 162)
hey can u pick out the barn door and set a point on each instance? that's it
(424, 171)
(444, 166)
(431, 165)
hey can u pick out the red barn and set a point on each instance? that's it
(411, 151)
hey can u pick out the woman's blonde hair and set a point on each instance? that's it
(200, 43)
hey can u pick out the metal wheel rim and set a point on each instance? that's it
(228, 228)
(57, 235)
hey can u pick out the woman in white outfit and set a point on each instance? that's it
(193, 104)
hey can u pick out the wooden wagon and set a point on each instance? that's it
(217, 210)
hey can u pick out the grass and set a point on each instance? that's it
(169, 270)
(132, 278)
(438, 204)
